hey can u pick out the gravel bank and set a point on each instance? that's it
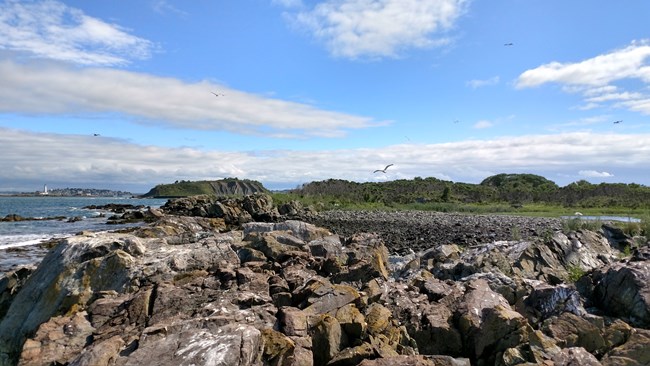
(420, 230)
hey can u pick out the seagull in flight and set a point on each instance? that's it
(617, 122)
(217, 95)
(383, 170)
(509, 44)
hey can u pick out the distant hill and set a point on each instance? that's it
(222, 187)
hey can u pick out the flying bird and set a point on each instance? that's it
(509, 44)
(95, 134)
(617, 122)
(383, 170)
(217, 95)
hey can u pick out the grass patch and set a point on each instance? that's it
(575, 273)
(577, 223)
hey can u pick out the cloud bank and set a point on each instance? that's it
(52, 30)
(125, 163)
(50, 89)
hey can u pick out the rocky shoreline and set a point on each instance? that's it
(243, 282)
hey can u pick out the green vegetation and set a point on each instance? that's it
(575, 273)
(228, 186)
(575, 224)
(520, 194)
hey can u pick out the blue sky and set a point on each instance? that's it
(115, 94)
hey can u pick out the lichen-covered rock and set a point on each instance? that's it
(633, 352)
(575, 356)
(278, 348)
(57, 341)
(574, 331)
(327, 339)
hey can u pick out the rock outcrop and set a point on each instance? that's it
(211, 288)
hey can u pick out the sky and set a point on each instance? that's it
(126, 95)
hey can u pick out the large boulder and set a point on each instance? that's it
(623, 290)
(230, 344)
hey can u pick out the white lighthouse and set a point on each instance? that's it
(44, 190)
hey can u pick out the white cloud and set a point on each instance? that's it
(483, 124)
(164, 7)
(477, 83)
(379, 28)
(595, 174)
(49, 88)
(599, 71)
(103, 161)
(288, 3)
(593, 77)
(50, 29)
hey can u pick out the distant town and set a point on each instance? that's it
(76, 192)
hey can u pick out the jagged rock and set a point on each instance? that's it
(68, 276)
(378, 318)
(623, 290)
(616, 237)
(327, 339)
(545, 301)
(549, 261)
(296, 210)
(293, 321)
(352, 321)
(231, 344)
(416, 361)
(260, 207)
(616, 332)
(277, 246)
(574, 331)
(575, 356)
(57, 341)
(100, 353)
(351, 356)
(633, 352)
(323, 297)
(181, 291)
(367, 259)
(278, 348)
(488, 323)
(10, 283)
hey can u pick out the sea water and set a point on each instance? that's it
(602, 218)
(14, 234)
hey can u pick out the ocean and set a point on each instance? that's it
(18, 239)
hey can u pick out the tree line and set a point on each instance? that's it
(515, 189)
